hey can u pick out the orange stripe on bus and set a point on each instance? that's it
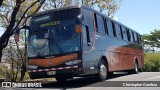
(52, 61)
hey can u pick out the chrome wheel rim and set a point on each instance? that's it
(103, 71)
(136, 67)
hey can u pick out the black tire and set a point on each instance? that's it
(103, 71)
(61, 78)
(135, 70)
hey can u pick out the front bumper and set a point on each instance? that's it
(67, 71)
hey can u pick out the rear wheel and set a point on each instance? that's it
(135, 70)
(102, 75)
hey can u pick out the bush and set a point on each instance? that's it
(151, 62)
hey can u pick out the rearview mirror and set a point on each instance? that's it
(16, 35)
(79, 19)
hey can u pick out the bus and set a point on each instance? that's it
(78, 41)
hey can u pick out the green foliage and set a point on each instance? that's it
(152, 40)
(151, 62)
(2, 72)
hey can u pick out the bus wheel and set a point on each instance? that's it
(61, 78)
(102, 71)
(135, 70)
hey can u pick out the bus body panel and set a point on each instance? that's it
(120, 54)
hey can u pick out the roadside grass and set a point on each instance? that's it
(26, 77)
(151, 62)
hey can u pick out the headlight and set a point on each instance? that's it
(73, 62)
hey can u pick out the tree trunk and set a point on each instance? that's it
(9, 31)
(23, 71)
(24, 61)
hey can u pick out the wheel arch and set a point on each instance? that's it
(105, 60)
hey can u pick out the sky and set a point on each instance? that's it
(141, 15)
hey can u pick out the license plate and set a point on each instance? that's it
(51, 72)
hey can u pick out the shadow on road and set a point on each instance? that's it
(79, 82)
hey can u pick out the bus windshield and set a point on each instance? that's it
(54, 40)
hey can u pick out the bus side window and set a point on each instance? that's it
(105, 25)
(139, 38)
(133, 36)
(122, 37)
(100, 24)
(118, 31)
(95, 21)
(86, 37)
(128, 35)
(136, 38)
(110, 28)
(114, 29)
(124, 33)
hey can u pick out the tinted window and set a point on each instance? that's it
(121, 32)
(136, 37)
(133, 36)
(128, 35)
(105, 25)
(132, 39)
(110, 28)
(100, 24)
(124, 33)
(139, 38)
(118, 31)
(86, 35)
(114, 29)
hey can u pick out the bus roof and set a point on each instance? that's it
(58, 9)
(86, 7)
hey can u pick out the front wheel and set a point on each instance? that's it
(102, 75)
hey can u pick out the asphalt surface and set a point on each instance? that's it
(114, 82)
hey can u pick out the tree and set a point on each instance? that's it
(12, 15)
(152, 40)
(108, 7)
(12, 63)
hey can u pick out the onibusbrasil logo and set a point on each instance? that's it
(21, 85)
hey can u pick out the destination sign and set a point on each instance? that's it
(50, 24)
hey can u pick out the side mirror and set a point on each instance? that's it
(79, 19)
(16, 35)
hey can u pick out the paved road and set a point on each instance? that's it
(115, 82)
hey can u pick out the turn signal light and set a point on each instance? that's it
(78, 28)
